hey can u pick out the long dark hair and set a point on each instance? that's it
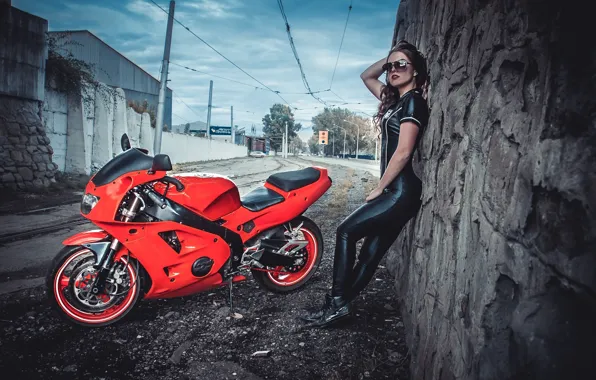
(390, 94)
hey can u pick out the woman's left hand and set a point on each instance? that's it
(374, 194)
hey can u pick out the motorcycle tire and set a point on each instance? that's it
(69, 299)
(285, 282)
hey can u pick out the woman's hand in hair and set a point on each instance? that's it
(371, 75)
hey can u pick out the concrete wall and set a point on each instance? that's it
(114, 69)
(23, 53)
(55, 116)
(184, 148)
(85, 136)
(25, 153)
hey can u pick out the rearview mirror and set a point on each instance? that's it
(125, 142)
(161, 162)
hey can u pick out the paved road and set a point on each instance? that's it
(29, 240)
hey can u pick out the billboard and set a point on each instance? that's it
(215, 130)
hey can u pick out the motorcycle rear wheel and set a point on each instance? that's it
(68, 287)
(279, 279)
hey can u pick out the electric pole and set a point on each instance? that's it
(287, 138)
(344, 143)
(376, 148)
(163, 85)
(357, 138)
(209, 110)
(232, 124)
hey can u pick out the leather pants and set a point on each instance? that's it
(380, 222)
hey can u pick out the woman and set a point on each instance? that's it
(403, 116)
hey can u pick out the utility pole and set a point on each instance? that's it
(232, 124)
(286, 139)
(344, 143)
(357, 138)
(376, 148)
(209, 110)
(333, 152)
(163, 85)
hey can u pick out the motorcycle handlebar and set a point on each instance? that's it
(173, 181)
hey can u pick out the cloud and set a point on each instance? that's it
(147, 9)
(219, 9)
(253, 36)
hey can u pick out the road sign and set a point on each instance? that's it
(323, 137)
(215, 130)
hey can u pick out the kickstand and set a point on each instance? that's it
(230, 285)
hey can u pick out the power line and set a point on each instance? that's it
(245, 84)
(180, 117)
(340, 45)
(216, 76)
(187, 106)
(340, 98)
(215, 50)
(304, 80)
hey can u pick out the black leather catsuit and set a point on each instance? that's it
(381, 220)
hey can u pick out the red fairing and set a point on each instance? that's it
(170, 271)
(111, 195)
(209, 195)
(296, 203)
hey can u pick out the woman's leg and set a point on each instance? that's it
(364, 221)
(375, 247)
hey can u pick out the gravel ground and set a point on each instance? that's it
(199, 337)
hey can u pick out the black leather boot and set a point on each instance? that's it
(335, 308)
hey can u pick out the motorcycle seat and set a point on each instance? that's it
(292, 180)
(261, 198)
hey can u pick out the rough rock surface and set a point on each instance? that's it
(497, 273)
(25, 151)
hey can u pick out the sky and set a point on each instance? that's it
(250, 33)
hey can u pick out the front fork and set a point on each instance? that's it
(105, 262)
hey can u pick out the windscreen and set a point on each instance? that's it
(126, 162)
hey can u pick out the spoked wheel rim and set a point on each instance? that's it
(70, 284)
(281, 277)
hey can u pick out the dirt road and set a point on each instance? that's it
(198, 337)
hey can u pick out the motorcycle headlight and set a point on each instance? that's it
(89, 201)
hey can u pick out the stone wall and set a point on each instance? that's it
(497, 273)
(25, 151)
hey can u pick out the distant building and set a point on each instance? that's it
(196, 127)
(114, 69)
(199, 128)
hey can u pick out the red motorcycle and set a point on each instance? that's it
(163, 237)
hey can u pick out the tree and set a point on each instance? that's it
(274, 125)
(313, 144)
(296, 145)
(187, 128)
(342, 122)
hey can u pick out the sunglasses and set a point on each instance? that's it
(399, 65)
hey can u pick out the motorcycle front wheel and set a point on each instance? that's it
(69, 282)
